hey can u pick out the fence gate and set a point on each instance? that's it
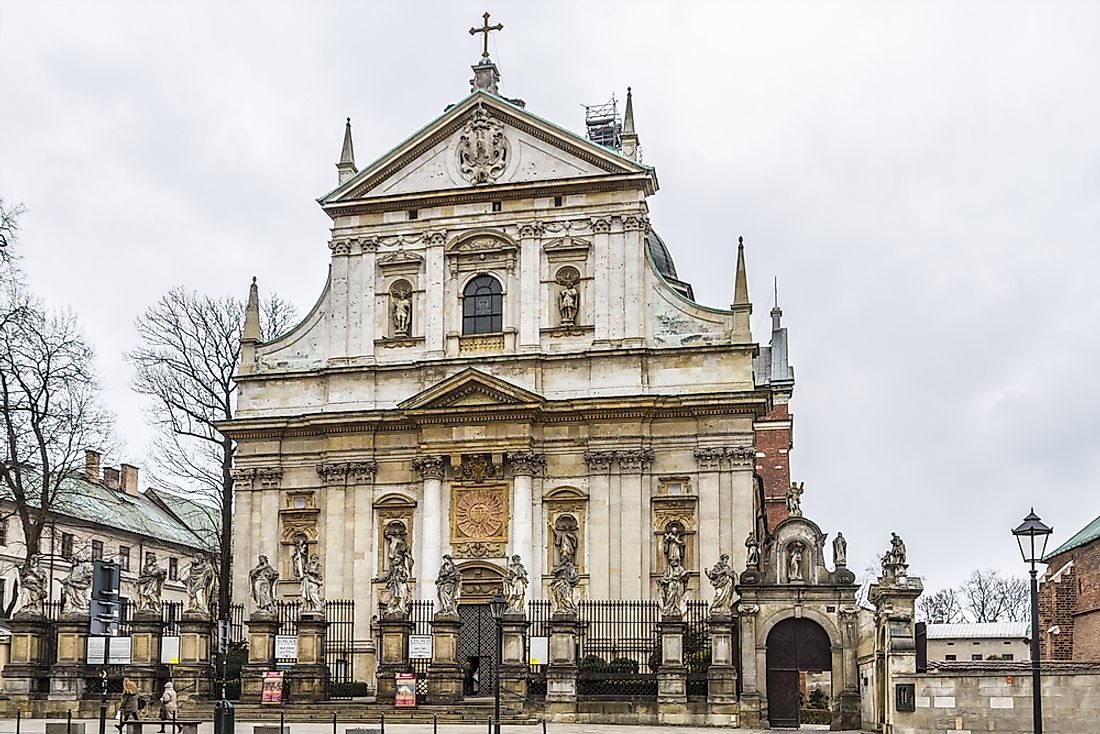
(339, 646)
(477, 649)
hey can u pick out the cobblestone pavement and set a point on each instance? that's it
(38, 726)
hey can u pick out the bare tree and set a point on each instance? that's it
(942, 607)
(187, 363)
(9, 231)
(990, 597)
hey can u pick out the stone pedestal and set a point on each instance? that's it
(194, 673)
(393, 656)
(69, 670)
(27, 674)
(561, 673)
(262, 629)
(445, 672)
(513, 660)
(672, 674)
(722, 675)
(145, 668)
(309, 677)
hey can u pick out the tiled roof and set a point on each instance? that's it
(981, 630)
(202, 519)
(1087, 534)
(100, 505)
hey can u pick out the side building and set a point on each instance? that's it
(1069, 599)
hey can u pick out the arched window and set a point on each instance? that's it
(482, 306)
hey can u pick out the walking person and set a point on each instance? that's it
(168, 707)
(129, 707)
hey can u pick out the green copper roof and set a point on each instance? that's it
(1087, 534)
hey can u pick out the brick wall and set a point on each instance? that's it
(1069, 599)
(773, 445)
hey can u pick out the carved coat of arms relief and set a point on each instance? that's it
(482, 149)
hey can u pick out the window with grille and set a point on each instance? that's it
(124, 557)
(67, 545)
(4, 531)
(482, 306)
(97, 550)
(173, 568)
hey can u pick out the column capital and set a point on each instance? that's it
(601, 225)
(527, 463)
(712, 457)
(429, 466)
(348, 472)
(531, 230)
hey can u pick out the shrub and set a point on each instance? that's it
(623, 665)
(593, 663)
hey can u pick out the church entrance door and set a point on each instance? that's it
(794, 647)
(477, 650)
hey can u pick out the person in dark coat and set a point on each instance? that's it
(129, 707)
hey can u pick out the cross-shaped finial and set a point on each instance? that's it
(484, 29)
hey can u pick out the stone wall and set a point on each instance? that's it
(999, 699)
(773, 445)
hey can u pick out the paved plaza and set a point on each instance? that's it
(38, 726)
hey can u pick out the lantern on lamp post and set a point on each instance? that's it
(1032, 535)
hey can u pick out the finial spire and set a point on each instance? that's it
(741, 307)
(346, 166)
(777, 312)
(629, 137)
(250, 336)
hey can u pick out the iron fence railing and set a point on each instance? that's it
(420, 614)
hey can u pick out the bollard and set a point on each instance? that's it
(333, 723)
(175, 726)
(490, 725)
(69, 721)
(18, 718)
(382, 722)
(544, 726)
(282, 721)
(435, 724)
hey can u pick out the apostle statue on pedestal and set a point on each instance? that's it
(262, 580)
(722, 578)
(564, 579)
(150, 585)
(76, 586)
(312, 582)
(200, 584)
(515, 586)
(33, 580)
(447, 586)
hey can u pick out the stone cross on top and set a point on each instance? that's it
(484, 29)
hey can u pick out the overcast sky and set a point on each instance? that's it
(923, 178)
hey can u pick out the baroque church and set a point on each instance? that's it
(503, 361)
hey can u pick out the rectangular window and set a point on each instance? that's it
(976, 656)
(97, 550)
(414, 214)
(4, 531)
(67, 545)
(1008, 656)
(948, 657)
(173, 569)
(557, 201)
(124, 557)
(675, 489)
(950, 644)
(3, 592)
(496, 206)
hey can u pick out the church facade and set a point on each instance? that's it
(504, 362)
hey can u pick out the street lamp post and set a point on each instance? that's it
(1032, 536)
(496, 608)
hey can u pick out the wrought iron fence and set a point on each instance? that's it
(339, 646)
(697, 649)
(538, 618)
(420, 614)
(618, 651)
(236, 624)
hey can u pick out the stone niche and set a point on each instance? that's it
(393, 521)
(297, 522)
(565, 507)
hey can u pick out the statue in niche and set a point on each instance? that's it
(722, 578)
(76, 586)
(569, 298)
(401, 296)
(299, 556)
(515, 586)
(752, 557)
(840, 551)
(794, 562)
(672, 585)
(398, 579)
(794, 499)
(262, 580)
(447, 586)
(150, 585)
(200, 584)
(673, 544)
(312, 581)
(565, 539)
(33, 580)
(564, 579)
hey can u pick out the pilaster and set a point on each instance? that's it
(672, 673)
(561, 673)
(431, 470)
(309, 677)
(601, 229)
(69, 670)
(445, 672)
(530, 263)
(393, 656)
(513, 660)
(338, 335)
(262, 629)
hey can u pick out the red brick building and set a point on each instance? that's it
(775, 432)
(1069, 599)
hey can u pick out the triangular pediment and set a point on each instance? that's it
(484, 141)
(471, 388)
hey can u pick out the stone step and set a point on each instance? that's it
(363, 712)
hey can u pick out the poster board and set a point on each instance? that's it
(120, 651)
(170, 650)
(406, 691)
(286, 650)
(420, 647)
(97, 650)
(539, 650)
(271, 690)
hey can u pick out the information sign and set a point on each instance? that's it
(170, 650)
(119, 651)
(420, 647)
(540, 650)
(406, 691)
(286, 648)
(97, 650)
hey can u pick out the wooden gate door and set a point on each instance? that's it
(793, 645)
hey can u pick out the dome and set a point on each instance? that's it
(662, 258)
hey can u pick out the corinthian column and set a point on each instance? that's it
(525, 464)
(430, 469)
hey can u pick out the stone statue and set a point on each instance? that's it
(402, 312)
(299, 555)
(564, 579)
(200, 584)
(794, 499)
(150, 584)
(398, 580)
(76, 586)
(673, 544)
(262, 579)
(840, 551)
(752, 557)
(672, 586)
(565, 539)
(567, 303)
(447, 585)
(33, 580)
(894, 562)
(897, 549)
(515, 586)
(722, 578)
(312, 581)
(794, 562)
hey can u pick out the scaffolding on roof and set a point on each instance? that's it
(604, 125)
